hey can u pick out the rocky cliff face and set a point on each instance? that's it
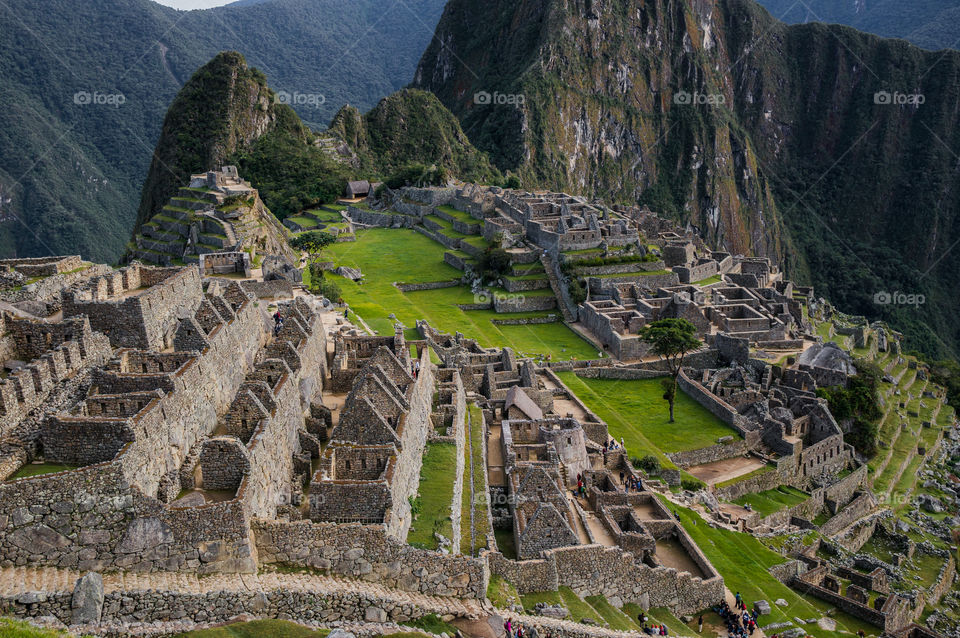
(830, 150)
(224, 108)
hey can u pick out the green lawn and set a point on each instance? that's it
(744, 477)
(743, 562)
(770, 501)
(474, 455)
(386, 256)
(636, 411)
(435, 495)
(10, 628)
(257, 629)
(35, 469)
(709, 280)
(501, 593)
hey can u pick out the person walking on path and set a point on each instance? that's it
(700, 624)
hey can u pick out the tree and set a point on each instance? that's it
(313, 242)
(671, 340)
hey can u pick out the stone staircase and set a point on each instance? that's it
(552, 268)
(165, 239)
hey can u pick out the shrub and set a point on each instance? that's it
(692, 484)
(330, 290)
(493, 263)
(648, 464)
(577, 290)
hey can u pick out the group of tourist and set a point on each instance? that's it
(631, 483)
(277, 323)
(740, 622)
(655, 629)
(581, 487)
(415, 368)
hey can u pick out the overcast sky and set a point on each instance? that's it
(194, 4)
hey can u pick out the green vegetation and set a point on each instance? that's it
(770, 501)
(744, 477)
(613, 617)
(931, 26)
(505, 543)
(743, 562)
(35, 469)
(474, 458)
(432, 623)
(10, 628)
(671, 340)
(435, 496)
(407, 133)
(634, 410)
(858, 402)
(258, 629)
(386, 256)
(501, 593)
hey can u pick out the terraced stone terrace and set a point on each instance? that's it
(389, 256)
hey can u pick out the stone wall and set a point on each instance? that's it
(594, 569)
(719, 408)
(138, 307)
(859, 507)
(303, 602)
(369, 552)
(275, 289)
(719, 452)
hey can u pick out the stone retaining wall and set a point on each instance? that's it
(719, 452)
(303, 604)
(719, 408)
(366, 551)
(859, 507)
(430, 285)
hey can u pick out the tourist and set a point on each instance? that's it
(508, 627)
(621, 477)
(700, 624)
(277, 318)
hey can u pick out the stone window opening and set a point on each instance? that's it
(144, 366)
(347, 465)
(363, 464)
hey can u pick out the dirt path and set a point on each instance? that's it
(719, 471)
(495, 475)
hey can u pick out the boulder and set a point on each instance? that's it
(144, 534)
(38, 539)
(762, 607)
(87, 601)
(353, 274)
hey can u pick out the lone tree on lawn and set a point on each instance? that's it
(671, 340)
(313, 242)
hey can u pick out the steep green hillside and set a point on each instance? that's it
(226, 113)
(410, 126)
(71, 171)
(931, 24)
(771, 139)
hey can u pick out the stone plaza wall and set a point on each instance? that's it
(370, 553)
